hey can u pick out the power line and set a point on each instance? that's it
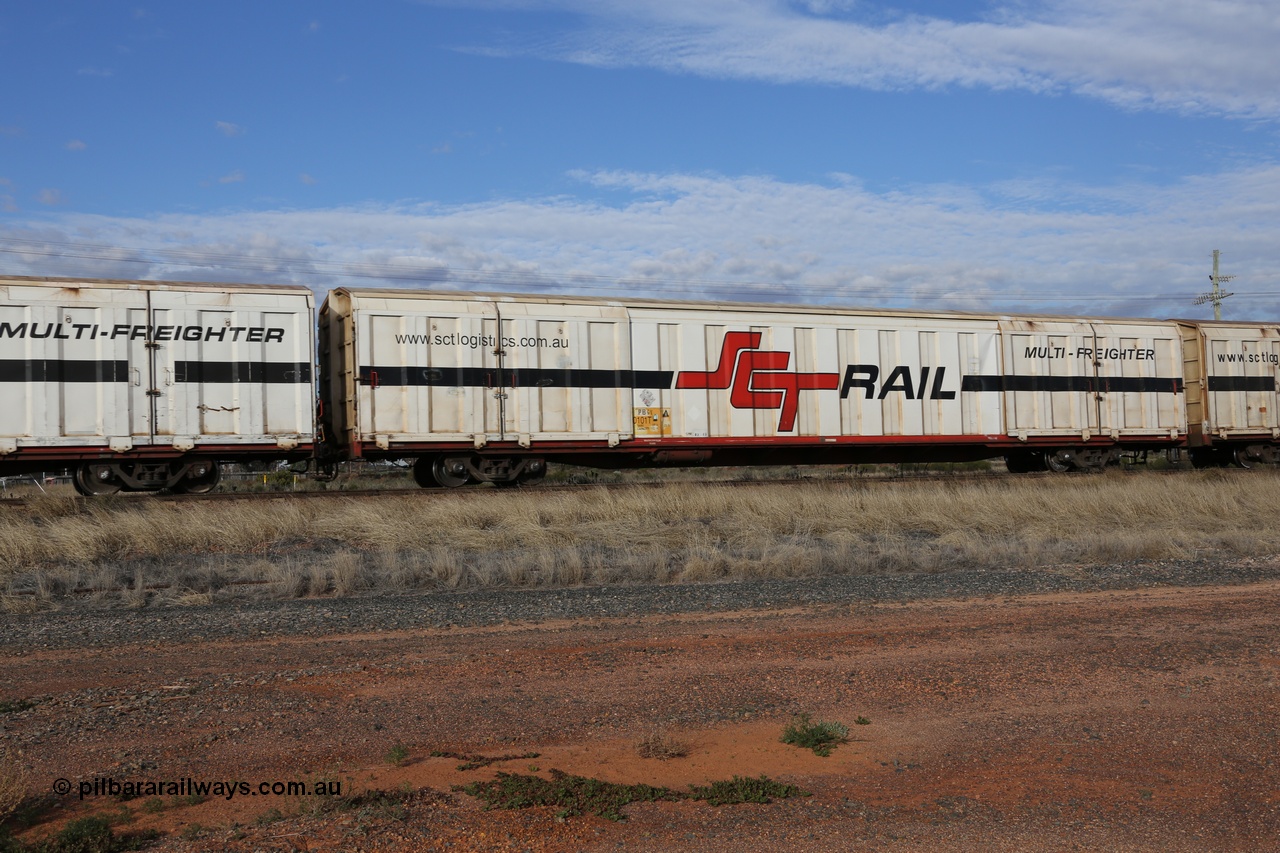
(440, 273)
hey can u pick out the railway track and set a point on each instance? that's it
(553, 488)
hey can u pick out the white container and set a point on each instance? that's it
(1237, 397)
(118, 370)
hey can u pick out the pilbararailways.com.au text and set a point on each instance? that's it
(127, 789)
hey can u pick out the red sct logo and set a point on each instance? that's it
(758, 379)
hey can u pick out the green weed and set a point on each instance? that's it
(577, 795)
(741, 789)
(94, 835)
(821, 737)
(573, 795)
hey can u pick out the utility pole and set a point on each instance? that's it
(1216, 295)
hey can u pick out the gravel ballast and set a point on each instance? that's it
(81, 625)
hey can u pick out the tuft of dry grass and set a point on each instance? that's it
(662, 746)
(135, 551)
(13, 785)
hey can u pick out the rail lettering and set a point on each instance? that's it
(865, 376)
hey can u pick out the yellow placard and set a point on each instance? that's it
(652, 421)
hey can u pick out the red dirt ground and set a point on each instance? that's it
(1133, 720)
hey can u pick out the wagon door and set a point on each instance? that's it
(428, 369)
(565, 372)
(1140, 386)
(123, 329)
(71, 348)
(1242, 365)
(230, 367)
(1049, 378)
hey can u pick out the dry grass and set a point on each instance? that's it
(132, 550)
(662, 746)
(13, 785)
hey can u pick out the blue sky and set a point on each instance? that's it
(1078, 156)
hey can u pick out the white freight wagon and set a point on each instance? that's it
(484, 387)
(147, 385)
(1090, 385)
(1232, 404)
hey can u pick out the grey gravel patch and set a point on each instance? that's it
(85, 628)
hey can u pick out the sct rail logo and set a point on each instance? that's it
(757, 379)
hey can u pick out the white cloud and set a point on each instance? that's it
(227, 128)
(307, 179)
(1135, 250)
(1186, 56)
(50, 197)
(76, 145)
(232, 177)
(96, 72)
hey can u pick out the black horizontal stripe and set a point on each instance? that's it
(62, 370)
(1241, 383)
(481, 377)
(1077, 384)
(260, 372)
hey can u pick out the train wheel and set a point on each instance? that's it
(201, 479)
(1241, 457)
(95, 480)
(450, 472)
(422, 473)
(1058, 461)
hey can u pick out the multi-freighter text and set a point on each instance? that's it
(135, 332)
